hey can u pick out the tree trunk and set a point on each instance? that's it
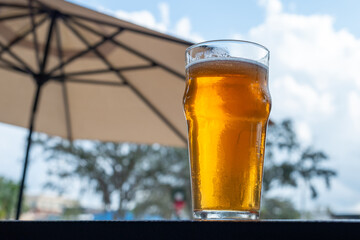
(120, 212)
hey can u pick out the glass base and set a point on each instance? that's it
(225, 215)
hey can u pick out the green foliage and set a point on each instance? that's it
(276, 208)
(287, 162)
(143, 176)
(8, 194)
(71, 212)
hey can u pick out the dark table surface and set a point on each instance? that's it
(172, 230)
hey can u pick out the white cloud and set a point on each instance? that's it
(146, 18)
(237, 36)
(310, 45)
(272, 7)
(313, 66)
(315, 80)
(300, 98)
(303, 132)
(182, 27)
(354, 109)
(165, 13)
(356, 208)
(142, 17)
(341, 199)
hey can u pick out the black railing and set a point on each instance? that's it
(173, 230)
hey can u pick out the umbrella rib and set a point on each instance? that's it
(48, 42)
(35, 39)
(85, 51)
(102, 71)
(181, 76)
(28, 69)
(109, 24)
(7, 48)
(137, 53)
(154, 109)
(88, 45)
(67, 111)
(118, 84)
(12, 67)
(12, 5)
(19, 38)
(15, 16)
(64, 87)
(42, 5)
(133, 88)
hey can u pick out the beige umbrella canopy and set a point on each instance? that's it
(86, 75)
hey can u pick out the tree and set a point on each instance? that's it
(287, 162)
(143, 176)
(8, 193)
(276, 208)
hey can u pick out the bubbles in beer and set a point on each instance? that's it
(227, 105)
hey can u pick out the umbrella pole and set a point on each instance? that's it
(40, 79)
(32, 118)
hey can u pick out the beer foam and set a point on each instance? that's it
(237, 59)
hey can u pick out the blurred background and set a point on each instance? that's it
(312, 152)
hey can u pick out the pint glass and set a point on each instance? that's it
(227, 105)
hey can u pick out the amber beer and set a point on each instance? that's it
(227, 105)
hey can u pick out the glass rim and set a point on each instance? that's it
(228, 40)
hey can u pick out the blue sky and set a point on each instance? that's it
(314, 74)
(216, 20)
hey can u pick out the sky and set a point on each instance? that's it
(314, 75)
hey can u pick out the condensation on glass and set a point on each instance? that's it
(227, 105)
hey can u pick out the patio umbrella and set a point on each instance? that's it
(85, 75)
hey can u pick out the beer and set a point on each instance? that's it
(227, 105)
